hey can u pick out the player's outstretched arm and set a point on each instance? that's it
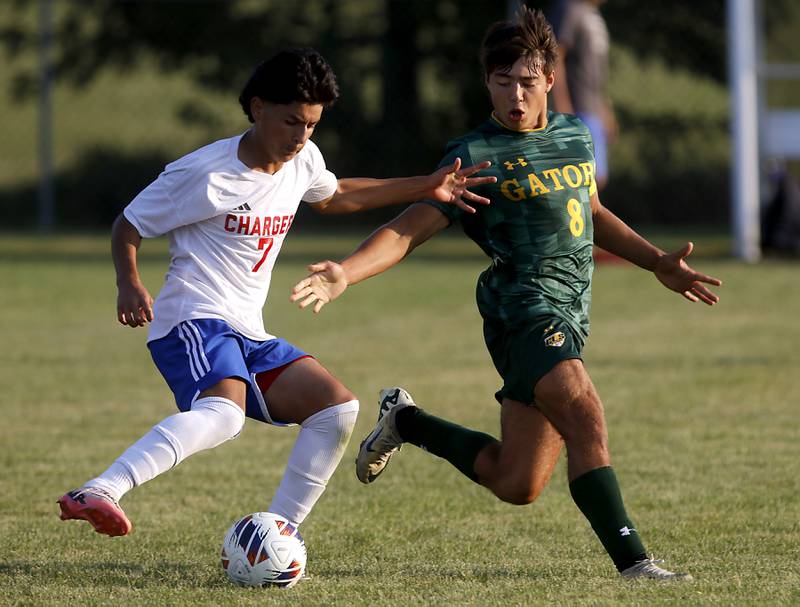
(450, 184)
(671, 269)
(386, 247)
(134, 304)
(674, 273)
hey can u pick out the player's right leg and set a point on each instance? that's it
(204, 370)
(518, 468)
(384, 441)
(98, 508)
(213, 419)
(515, 469)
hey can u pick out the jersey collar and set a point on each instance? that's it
(499, 123)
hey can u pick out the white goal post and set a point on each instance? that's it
(758, 132)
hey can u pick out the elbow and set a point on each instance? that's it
(332, 205)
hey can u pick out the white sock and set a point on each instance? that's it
(211, 421)
(315, 455)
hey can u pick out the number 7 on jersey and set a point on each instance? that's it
(264, 244)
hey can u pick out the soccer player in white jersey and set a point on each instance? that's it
(227, 208)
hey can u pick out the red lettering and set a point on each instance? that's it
(256, 229)
(267, 224)
(276, 226)
(290, 222)
(228, 219)
(264, 244)
(244, 224)
(284, 224)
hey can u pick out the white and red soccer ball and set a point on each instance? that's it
(264, 549)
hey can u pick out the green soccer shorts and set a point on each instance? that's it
(523, 353)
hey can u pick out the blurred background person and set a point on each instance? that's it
(583, 43)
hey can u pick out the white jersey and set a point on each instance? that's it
(226, 225)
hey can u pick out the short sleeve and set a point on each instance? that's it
(454, 150)
(322, 182)
(173, 200)
(323, 188)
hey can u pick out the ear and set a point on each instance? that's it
(550, 79)
(256, 107)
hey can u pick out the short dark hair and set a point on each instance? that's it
(291, 75)
(529, 35)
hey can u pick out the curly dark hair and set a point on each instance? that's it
(530, 35)
(291, 75)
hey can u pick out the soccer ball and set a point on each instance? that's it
(264, 549)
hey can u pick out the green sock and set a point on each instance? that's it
(597, 495)
(458, 445)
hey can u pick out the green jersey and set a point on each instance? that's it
(538, 228)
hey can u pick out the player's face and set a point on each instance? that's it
(519, 95)
(283, 129)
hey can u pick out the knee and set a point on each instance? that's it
(228, 417)
(520, 492)
(521, 495)
(337, 392)
(343, 395)
(340, 420)
(346, 415)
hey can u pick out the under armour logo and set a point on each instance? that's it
(626, 531)
(520, 162)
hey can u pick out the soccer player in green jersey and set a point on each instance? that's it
(544, 217)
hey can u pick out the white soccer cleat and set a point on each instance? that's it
(379, 446)
(648, 569)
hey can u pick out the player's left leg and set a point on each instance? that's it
(305, 393)
(569, 400)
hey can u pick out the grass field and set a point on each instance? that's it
(702, 407)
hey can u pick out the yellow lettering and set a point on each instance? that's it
(572, 181)
(516, 194)
(537, 187)
(552, 175)
(588, 172)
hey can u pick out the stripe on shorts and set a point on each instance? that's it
(190, 340)
(201, 350)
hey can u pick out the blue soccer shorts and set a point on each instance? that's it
(197, 354)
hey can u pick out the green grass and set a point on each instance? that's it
(702, 408)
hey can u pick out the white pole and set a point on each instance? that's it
(742, 58)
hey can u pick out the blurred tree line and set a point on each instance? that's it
(410, 80)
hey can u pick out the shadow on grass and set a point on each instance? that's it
(477, 574)
(110, 574)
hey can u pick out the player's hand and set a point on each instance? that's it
(325, 283)
(449, 184)
(674, 273)
(134, 305)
